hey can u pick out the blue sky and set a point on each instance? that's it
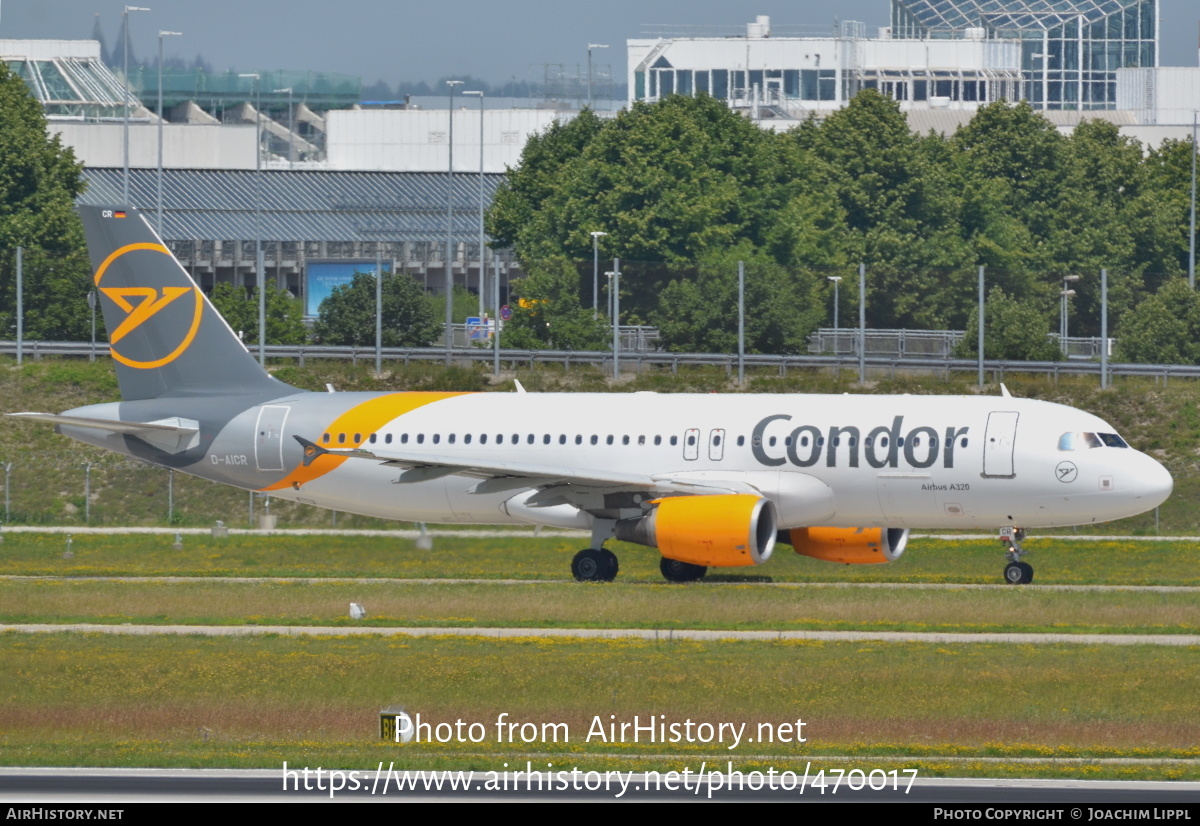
(494, 41)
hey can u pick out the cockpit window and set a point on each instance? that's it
(1085, 441)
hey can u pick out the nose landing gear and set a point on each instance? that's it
(1016, 572)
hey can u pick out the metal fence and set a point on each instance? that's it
(925, 343)
(631, 361)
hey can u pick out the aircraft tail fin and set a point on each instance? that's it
(165, 336)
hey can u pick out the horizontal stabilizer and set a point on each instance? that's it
(172, 435)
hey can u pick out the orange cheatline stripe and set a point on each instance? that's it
(364, 418)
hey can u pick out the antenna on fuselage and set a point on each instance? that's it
(1004, 391)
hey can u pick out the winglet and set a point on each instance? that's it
(312, 450)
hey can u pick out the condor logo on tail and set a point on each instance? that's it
(140, 304)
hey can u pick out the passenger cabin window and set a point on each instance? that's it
(437, 437)
(325, 438)
(387, 439)
(403, 438)
(741, 441)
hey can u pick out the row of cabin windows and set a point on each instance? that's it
(356, 438)
(853, 441)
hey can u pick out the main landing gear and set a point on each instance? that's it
(675, 571)
(595, 565)
(1016, 572)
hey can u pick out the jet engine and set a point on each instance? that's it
(715, 531)
(853, 546)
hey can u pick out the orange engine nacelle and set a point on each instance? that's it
(853, 546)
(715, 531)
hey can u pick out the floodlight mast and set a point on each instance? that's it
(125, 120)
(159, 202)
(450, 227)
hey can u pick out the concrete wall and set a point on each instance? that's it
(1166, 95)
(185, 146)
(416, 140)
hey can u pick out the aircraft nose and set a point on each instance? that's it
(1153, 482)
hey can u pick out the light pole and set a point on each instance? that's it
(1192, 244)
(259, 279)
(590, 47)
(291, 125)
(616, 296)
(450, 227)
(596, 236)
(482, 271)
(1066, 293)
(836, 279)
(125, 121)
(159, 201)
(92, 306)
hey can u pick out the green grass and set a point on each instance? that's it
(554, 605)
(48, 476)
(122, 701)
(1057, 561)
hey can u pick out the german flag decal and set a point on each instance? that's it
(118, 214)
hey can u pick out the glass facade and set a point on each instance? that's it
(72, 87)
(1070, 49)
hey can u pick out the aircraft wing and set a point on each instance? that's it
(498, 476)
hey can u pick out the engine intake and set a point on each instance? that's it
(853, 546)
(715, 531)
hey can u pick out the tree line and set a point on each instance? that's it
(685, 189)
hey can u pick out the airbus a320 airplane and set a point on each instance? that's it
(708, 480)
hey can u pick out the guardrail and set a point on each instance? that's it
(635, 361)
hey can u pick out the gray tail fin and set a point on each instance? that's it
(165, 336)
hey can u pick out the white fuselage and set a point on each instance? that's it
(829, 460)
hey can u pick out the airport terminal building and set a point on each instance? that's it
(958, 54)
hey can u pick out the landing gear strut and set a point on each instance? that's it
(595, 565)
(675, 571)
(1016, 572)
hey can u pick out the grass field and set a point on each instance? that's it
(48, 476)
(89, 700)
(555, 605)
(1056, 560)
(1032, 710)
